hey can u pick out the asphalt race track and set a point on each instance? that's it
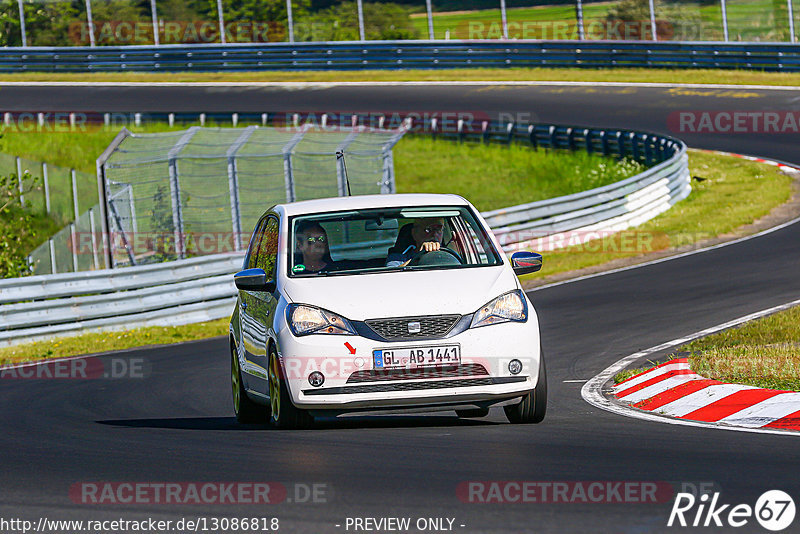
(176, 424)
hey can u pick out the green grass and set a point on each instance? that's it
(748, 20)
(695, 76)
(109, 341)
(763, 353)
(494, 176)
(732, 193)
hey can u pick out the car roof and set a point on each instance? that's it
(358, 202)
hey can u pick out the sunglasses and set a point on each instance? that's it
(315, 239)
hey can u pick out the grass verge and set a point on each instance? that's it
(497, 176)
(109, 341)
(764, 353)
(670, 76)
(727, 193)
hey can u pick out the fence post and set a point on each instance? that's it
(22, 23)
(653, 30)
(221, 22)
(52, 248)
(724, 20)
(587, 138)
(233, 186)
(604, 142)
(532, 136)
(73, 244)
(430, 19)
(791, 21)
(388, 172)
(634, 146)
(288, 168)
(361, 34)
(46, 188)
(503, 19)
(290, 21)
(620, 144)
(92, 231)
(155, 22)
(19, 179)
(553, 137)
(579, 17)
(90, 22)
(74, 194)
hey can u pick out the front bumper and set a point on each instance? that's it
(352, 383)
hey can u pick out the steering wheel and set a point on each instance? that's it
(415, 259)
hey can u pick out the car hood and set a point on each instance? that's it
(403, 294)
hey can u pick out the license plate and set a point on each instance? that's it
(412, 357)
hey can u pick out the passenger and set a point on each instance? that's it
(312, 244)
(427, 235)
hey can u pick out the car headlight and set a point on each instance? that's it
(508, 307)
(304, 320)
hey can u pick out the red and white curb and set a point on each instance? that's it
(744, 411)
(673, 389)
(785, 167)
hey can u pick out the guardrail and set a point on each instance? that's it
(172, 293)
(202, 288)
(353, 55)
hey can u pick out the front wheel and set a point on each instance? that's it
(246, 411)
(533, 407)
(284, 414)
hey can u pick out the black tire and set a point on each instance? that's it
(246, 410)
(283, 414)
(533, 407)
(473, 412)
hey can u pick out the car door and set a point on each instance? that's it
(259, 306)
(252, 334)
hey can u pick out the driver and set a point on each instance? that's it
(427, 234)
(312, 244)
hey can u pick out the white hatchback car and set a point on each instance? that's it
(383, 303)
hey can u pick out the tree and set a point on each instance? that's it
(13, 261)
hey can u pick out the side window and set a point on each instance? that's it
(268, 249)
(258, 234)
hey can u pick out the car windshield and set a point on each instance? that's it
(388, 239)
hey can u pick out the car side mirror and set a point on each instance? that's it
(253, 280)
(526, 262)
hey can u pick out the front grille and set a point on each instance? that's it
(412, 386)
(430, 326)
(468, 369)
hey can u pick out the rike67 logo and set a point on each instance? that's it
(774, 510)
